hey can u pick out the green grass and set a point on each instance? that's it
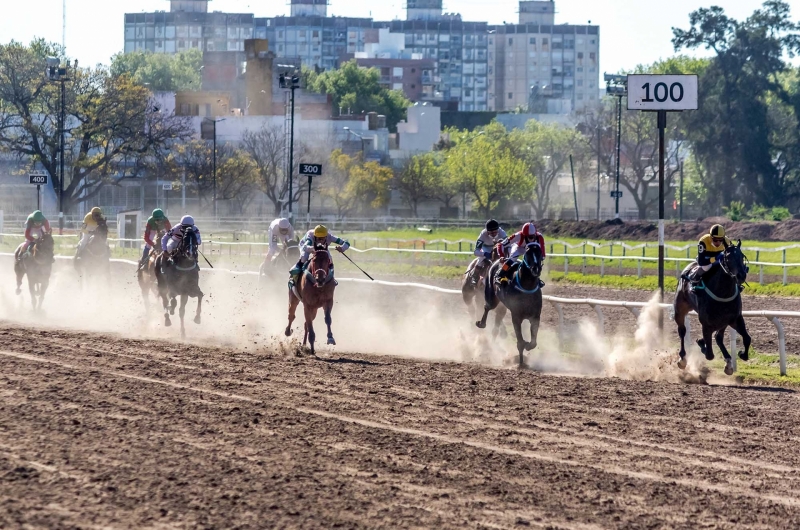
(650, 283)
(764, 369)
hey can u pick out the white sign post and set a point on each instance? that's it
(662, 94)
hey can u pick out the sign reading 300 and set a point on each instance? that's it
(662, 92)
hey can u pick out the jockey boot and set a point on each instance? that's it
(294, 273)
(695, 277)
(504, 274)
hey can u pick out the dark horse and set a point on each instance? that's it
(37, 265)
(93, 258)
(315, 289)
(146, 274)
(718, 303)
(179, 275)
(522, 295)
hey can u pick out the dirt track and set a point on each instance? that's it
(100, 431)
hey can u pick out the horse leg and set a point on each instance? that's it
(490, 298)
(517, 322)
(719, 336)
(328, 321)
(310, 314)
(20, 272)
(680, 320)
(705, 343)
(741, 329)
(499, 328)
(534, 332)
(181, 312)
(32, 290)
(293, 302)
(199, 308)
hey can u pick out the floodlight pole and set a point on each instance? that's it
(619, 141)
(662, 125)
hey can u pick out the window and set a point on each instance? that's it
(510, 95)
(280, 34)
(592, 56)
(302, 34)
(580, 82)
(397, 71)
(533, 40)
(545, 41)
(491, 40)
(413, 70)
(467, 93)
(591, 70)
(580, 55)
(510, 41)
(592, 41)
(413, 86)
(315, 34)
(579, 69)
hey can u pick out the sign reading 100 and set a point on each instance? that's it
(662, 92)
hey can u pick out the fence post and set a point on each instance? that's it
(781, 342)
(733, 349)
(784, 257)
(560, 312)
(600, 320)
(639, 269)
(761, 275)
(566, 265)
(620, 266)
(784, 274)
(602, 267)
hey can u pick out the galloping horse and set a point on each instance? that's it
(474, 280)
(315, 289)
(717, 308)
(179, 275)
(37, 266)
(146, 274)
(522, 295)
(94, 257)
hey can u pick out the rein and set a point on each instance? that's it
(708, 291)
(518, 285)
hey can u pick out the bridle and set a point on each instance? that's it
(536, 267)
(317, 251)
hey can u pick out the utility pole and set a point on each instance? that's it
(617, 85)
(58, 74)
(205, 134)
(680, 204)
(598, 171)
(290, 83)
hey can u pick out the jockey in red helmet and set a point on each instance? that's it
(513, 247)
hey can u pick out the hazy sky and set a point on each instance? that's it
(631, 31)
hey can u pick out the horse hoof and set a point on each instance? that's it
(167, 323)
(529, 346)
(481, 325)
(18, 291)
(744, 356)
(288, 332)
(709, 356)
(728, 369)
(197, 319)
(682, 364)
(331, 341)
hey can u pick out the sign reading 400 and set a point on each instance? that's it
(662, 92)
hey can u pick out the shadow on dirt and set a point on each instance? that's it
(344, 360)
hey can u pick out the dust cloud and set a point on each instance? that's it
(238, 312)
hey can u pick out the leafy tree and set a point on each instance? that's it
(354, 185)
(487, 167)
(732, 132)
(159, 71)
(111, 127)
(419, 180)
(358, 89)
(545, 149)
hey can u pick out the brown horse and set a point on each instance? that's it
(146, 275)
(37, 264)
(315, 289)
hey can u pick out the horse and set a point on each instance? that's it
(93, 258)
(268, 270)
(146, 274)
(474, 280)
(315, 289)
(522, 295)
(179, 275)
(37, 266)
(718, 308)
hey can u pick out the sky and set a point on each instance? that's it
(632, 32)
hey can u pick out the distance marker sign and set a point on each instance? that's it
(40, 179)
(662, 92)
(313, 170)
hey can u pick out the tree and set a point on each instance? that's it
(488, 169)
(359, 90)
(111, 127)
(545, 149)
(159, 71)
(354, 185)
(732, 131)
(419, 180)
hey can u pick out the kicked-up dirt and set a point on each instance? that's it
(102, 431)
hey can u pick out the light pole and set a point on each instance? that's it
(360, 137)
(617, 85)
(213, 135)
(59, 74)
(290, 82)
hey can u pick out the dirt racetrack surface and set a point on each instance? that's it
(100, 431)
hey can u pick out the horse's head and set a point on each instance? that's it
(45, 245)
(320, 265)
(532, 260)
(734, 262)
(187, 248)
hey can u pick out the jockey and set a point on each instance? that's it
(318, 236)
(488, 238)
(174, 235)
(513, 247)
(709, 248)
(36, 226)
(90, 223)
(157, 222)
(280, 230)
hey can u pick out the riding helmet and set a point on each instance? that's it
(97, 211)
(492, 225)
(320, 231)
(187, 220)
(528, 230)
(158, 213)
(284, 224)
(38, 217)
(717, 231)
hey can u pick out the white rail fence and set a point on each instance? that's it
(558, 304)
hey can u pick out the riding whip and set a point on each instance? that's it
(205, 258)
(357, 267)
